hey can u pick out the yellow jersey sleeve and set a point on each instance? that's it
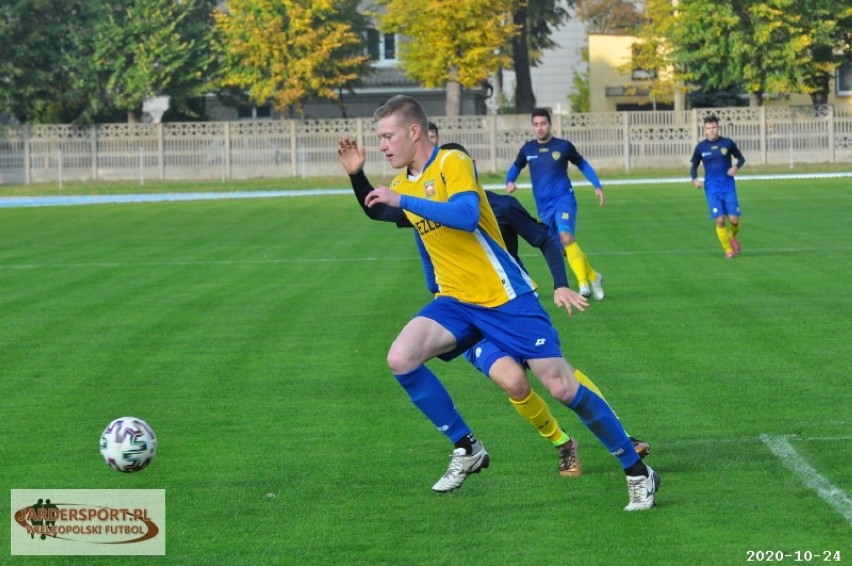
(473, 267)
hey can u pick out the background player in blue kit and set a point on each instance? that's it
(720, 189)
(482, 293)
(548, 159)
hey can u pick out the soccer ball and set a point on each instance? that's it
(128, 444)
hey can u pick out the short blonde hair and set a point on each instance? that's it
(406, 108)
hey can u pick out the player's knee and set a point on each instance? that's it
(516, 386)
(401, 360)
(560, 385)
(561, 391)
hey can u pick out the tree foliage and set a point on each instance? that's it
(148, 48)
(761, 45)
(46, 59)
(609, 16)
(829, 26)
(450, 45)
(285, 52)
(652, 58)
(580, 97)
(543, 18)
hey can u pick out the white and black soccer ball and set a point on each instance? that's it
(128, 444)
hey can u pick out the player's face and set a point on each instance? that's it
(711, 130)
(433, 137)
(396, 141)
(541, 127)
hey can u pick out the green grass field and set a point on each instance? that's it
(251, 334)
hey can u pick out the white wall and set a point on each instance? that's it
(552, 80)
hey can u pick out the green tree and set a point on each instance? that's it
(758, 44)
(609, 16)
(652, 61)
(829, 27)
(151, 48)
(450, 45)
(580, 97)
(46, 62)
(284, 52)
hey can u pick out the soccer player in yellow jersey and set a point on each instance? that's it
(515, 223)
(482, 294)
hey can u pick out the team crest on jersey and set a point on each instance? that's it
(566, 215)
(724, 151)
(429, 187)
(556, 155)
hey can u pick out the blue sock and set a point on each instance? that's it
(433, 400)
(599, 418)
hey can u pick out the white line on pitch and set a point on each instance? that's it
(791, 459)
(261, 261)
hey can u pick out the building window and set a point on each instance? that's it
(254, 112)
(843, 80)
(381, 47)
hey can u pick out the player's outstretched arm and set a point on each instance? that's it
(352, 158)
(592, 176)
(570, 300)
(383, 195)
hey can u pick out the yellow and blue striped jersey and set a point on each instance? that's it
(472, 267)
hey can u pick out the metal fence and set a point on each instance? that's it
(305, 148)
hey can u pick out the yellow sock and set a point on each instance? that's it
(577, 261)
(537, 413)
(735, 229)
(722, 233)
(590, 273)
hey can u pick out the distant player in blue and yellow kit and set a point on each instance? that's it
(720, 189)
(482, 293)
(548, 159)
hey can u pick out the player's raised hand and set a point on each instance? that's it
(351, 156)
(383, 195)
(570, 300)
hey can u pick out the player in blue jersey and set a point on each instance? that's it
(548, 159)
(482, 293)
(432, 133)
(504, 370)
(720, 189)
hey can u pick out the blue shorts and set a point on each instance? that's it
(562, 216)
(721, 199)
(483, 355)
(521, 327)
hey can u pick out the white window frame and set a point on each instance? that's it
(383, 60)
